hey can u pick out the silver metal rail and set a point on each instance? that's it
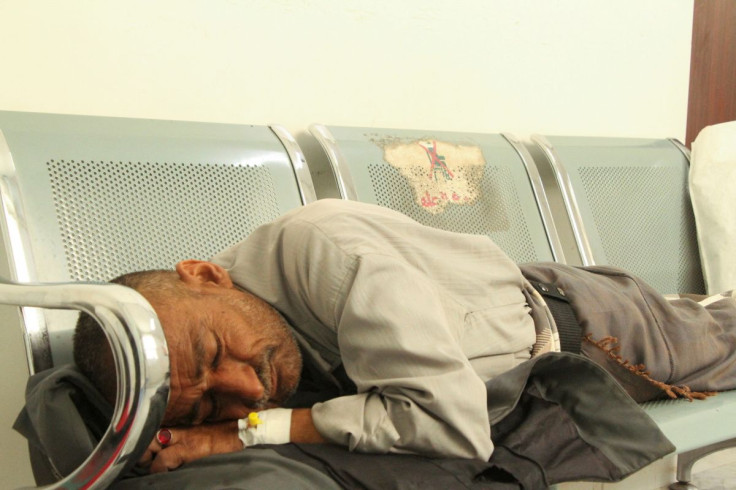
(683, 149)
(345, 183)
(141, 361)
(541, 197)
(568, 196)
(298, 163)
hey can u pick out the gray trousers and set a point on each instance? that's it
(681, 341)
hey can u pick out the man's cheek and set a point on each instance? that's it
(177, 412)
(232, 410)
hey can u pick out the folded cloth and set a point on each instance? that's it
(63, 419)
(712, 191)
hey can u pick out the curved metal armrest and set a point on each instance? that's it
(141, 361)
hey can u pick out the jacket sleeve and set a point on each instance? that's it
(399, 343)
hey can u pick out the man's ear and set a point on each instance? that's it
(199, 272)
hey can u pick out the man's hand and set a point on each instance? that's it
(190, 443)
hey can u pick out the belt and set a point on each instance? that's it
(568, 327)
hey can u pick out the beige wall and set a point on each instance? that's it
(569, 66)
(587, 67)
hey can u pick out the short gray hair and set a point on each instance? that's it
(92, 352)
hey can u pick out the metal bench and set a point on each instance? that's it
(626, 202)
(88, 198)
(464, 182)
(629, 205)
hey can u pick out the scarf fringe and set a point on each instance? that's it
(610, 346)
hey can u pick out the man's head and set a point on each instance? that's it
(230, 352)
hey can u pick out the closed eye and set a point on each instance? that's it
(218, 353)
(214, 409)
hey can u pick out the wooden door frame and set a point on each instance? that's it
(712, 93)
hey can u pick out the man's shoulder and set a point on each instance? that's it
(331, 207)
(321, 208)
(330, 211)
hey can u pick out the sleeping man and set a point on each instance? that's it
(383, 333)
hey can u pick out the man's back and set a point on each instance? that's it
(415, 314)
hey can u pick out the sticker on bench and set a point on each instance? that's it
(440, 173)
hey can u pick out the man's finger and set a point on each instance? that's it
(168, 458)
(164, 437)
(153, 448)
(146, 459)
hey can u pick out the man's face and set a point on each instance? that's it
(230, 354)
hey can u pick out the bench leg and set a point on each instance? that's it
(685, 462)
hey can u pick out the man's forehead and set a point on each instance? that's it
(182, 330)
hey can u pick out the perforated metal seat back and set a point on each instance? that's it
(629, 202)
(90, 198)
(461, 182)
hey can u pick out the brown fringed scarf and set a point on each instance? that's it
(634, 377)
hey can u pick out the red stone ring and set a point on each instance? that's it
(163, 437)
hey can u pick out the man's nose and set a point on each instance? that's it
(239, 380)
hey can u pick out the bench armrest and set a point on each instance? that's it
(141, 361)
